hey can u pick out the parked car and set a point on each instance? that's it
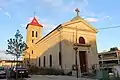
(19, 72)
(2, 72)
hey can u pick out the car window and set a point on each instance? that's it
(20, 68)
(1, 68)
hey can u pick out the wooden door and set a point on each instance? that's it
(82, 60)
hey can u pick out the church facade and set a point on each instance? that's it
(68, 42)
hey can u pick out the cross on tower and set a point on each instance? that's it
(77, 11)
(34, 14)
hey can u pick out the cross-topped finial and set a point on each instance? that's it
(77, 11)
(34, 14)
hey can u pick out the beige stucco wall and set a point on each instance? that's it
(67, 35)
(47, 47)
(50, 45)
(31, 45)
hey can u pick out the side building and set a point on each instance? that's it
(109, 59)
(10, 63)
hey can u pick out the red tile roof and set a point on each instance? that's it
(35, 22)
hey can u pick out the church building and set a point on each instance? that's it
(70, 42)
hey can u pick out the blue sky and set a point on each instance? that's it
(15, 14)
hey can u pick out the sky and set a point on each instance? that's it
(16, 14)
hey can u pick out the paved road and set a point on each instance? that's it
(52, 77)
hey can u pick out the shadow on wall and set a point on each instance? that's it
(54, 50)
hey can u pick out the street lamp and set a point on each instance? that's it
(76, 48)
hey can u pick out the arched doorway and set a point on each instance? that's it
(82, 57)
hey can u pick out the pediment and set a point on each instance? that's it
(80, 24)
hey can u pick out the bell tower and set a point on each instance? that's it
(34, 32)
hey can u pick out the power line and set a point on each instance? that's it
(108, 27)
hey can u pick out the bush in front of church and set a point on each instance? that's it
(50, 71)
(33, 69)
(45, 71)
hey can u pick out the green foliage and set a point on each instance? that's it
(113, 49)
(16, 45)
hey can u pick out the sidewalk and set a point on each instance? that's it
(53, 77)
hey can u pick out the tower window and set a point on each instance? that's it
(36, 34)
(32, 51)
(32, 33)
(32, 41)
(50, 60)
(44, 61)
(39, 61)
(60, 59)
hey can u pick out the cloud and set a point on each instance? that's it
(60, 7)
(68, 7)
(106, 18)
(98, 19)
(91, 19)
(1, 9)
(64, 6)
(3, 56)
(8, 14)
(9, 3)
(47, 26)
(2, 51)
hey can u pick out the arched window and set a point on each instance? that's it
(39, 61)
(32, 33)
(60, 59)
(32, 51)
(36, 34)
(81, 40)
(50, 60)
(44, 61)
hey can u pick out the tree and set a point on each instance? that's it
(114, 49)
(16, 45)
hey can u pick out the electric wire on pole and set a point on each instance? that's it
(108, 27)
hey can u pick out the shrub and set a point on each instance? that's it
(33, 69)
(45, 71)
(50, 71)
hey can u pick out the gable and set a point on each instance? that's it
(80, 24)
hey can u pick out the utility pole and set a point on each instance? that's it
(76, 48)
